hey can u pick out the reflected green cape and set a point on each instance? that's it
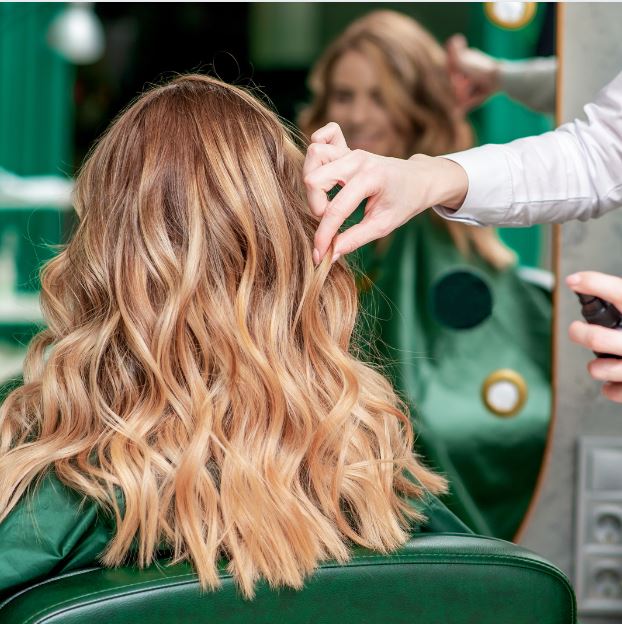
(492, 463)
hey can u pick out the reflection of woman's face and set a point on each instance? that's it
(355, 103)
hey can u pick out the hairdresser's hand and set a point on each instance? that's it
(396, 190)
(475, 75)
(598, 338)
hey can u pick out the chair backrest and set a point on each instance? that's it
(434, 579)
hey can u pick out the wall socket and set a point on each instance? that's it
(598, 561)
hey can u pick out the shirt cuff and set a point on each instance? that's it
(489, 196)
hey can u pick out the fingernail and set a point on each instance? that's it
(316, 256)
(573, 280)
(336, 257)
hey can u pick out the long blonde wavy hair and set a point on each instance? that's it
(418, 94)
(196, 362)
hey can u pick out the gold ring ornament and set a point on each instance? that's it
(510, 15)
(504, 392)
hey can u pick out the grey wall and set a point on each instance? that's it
(591, 55)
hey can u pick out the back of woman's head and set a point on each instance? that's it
(195, 376)
(414, 80)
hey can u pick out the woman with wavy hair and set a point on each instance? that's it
(385, 81)
(197, 390)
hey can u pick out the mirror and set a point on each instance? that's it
(459, 316)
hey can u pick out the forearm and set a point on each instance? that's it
(574, 172)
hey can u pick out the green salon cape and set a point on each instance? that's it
(53, 530)
(492, 462)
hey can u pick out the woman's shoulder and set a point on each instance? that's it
(52, 529)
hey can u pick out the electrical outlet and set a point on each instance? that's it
(604, 583)
(605, 525)
(598, 552)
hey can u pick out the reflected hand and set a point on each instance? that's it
(396, 190)
(600, 339)
(474, 74)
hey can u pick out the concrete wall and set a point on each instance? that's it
(590, 49)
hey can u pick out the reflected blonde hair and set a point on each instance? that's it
(418, 94)
(197, 363)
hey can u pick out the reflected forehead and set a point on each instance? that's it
(353, 70)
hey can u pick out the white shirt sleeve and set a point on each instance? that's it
(530, 82)
(574, 172)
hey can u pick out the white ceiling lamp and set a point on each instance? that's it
(77, 34)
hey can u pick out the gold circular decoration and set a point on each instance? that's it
(510, 15)
(504, 392)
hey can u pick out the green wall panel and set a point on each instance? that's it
(36, 135)
(36, 98)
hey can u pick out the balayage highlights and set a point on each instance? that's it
(197, 364)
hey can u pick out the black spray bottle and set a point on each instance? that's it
(600, 312)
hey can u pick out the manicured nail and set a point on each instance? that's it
(573, 280)
(316, 256)
(336, 257)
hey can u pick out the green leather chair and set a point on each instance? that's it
(437, 578)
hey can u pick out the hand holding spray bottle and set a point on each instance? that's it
(597, 311)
